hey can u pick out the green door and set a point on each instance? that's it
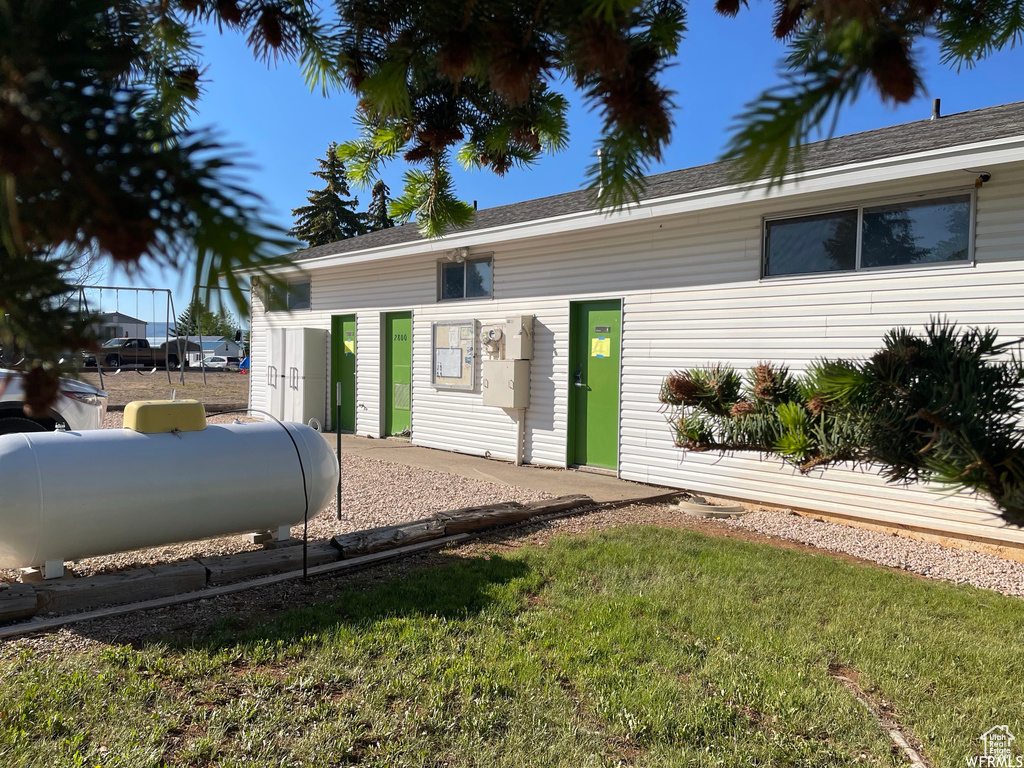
(398, 373)
(595, 332)
(343, 371)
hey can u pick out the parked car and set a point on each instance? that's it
(221, 363)
(116, 353)
(79, 406)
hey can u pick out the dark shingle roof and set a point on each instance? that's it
(962, 128)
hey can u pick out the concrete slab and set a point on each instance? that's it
(557, 482)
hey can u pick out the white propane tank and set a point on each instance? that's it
(70, 495)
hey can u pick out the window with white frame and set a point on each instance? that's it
(465, 278)
(933, 230)
(292, 296)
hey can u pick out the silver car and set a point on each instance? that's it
(78, 406)
(218, 363)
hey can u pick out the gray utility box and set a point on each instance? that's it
(506, 383)
(519, 337)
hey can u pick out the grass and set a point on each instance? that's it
(640, 646)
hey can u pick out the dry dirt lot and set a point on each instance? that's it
(221, 387)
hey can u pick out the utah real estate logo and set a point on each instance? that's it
(998, 752)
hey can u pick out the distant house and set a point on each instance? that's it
(222, 346)
(117, 325)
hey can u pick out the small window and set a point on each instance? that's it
(453, 281)
(469, 279)
(932, 231)
(289, 298)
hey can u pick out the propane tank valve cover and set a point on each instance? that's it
(153, 417)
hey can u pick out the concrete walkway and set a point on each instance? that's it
(557, 482)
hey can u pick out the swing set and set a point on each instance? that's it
(169, 319)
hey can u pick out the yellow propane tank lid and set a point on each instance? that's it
(155, 416)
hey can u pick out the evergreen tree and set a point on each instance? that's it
(191, 318)
(330, 215)
(376, 216)
(227, 324)
(197, 320)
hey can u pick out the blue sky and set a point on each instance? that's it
(279, 128)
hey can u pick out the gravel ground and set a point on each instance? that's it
(925, 558)
(374, 493)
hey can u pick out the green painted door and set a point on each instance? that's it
(398, 373)
(343, 371)
(595, 332)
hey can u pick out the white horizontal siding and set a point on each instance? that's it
(257, 350)
(691, 294)
(368, 386)
(795, 321)
(457, 420)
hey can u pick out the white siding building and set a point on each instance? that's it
(693, 276)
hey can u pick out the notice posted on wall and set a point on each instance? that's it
(448, 362)
(454, 348)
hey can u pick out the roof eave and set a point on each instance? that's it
(917, 164)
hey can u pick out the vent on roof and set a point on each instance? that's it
(936, 109)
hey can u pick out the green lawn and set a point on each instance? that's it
(639, 646)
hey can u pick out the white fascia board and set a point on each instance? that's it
(931, 162)
(951, 159)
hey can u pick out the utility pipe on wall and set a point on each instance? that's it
(520, 435)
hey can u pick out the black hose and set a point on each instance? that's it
(302, 469)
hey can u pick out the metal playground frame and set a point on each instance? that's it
(170, 317)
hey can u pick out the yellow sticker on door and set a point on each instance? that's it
(350, 346)
(601, 347)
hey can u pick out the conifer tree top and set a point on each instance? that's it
(331, 213)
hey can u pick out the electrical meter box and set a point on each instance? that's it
(506, 383)
(519, 337)
(493, 339)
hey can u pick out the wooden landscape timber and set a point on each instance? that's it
(565, 503)
(21, 601)
(38, 624)
(225, 569)
(17, 601)
(470, 519)
(373, 540)
(70, 594)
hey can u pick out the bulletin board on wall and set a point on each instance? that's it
(454, 354)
